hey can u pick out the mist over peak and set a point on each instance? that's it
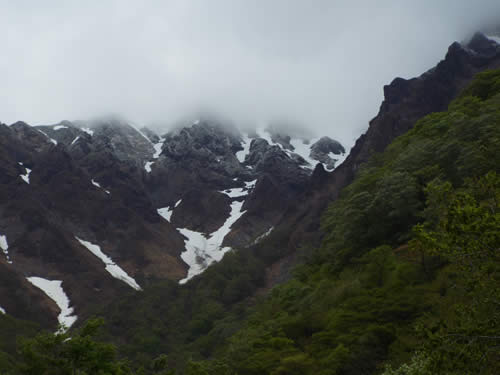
(159, 63)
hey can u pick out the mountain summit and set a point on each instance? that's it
(103, 206)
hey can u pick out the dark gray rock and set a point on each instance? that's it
(322, 150)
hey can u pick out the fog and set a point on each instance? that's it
(320, 63)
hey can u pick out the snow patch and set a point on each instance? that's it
(196, 122)
(166, 212)
(239, 192)
(88, 131)
(136, 128)
(111, 266)
(148, 165)
(250, 184)
(75, 140)
(304, 150)
(301, 148)
(5, 247)
(50, 139)
(25, 177)
(201, 250)
(2, 310)
(495, 38)
(95, 183)
(339, 159)
(54, 290)
(264, 235)
(241, 155)
(59, 127)
(158, 148)
(235, 192)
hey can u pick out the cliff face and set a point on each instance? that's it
(405, 102)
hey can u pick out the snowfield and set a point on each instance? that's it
(53, 289)
(111, 267)
(203, 250)
(241, 155)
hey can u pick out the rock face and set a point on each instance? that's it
(98, 203)
(208, 166)
(325, 150)
(60, 199)
(406, 101)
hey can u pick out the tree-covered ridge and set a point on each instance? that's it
(356, 304)
(405, 282)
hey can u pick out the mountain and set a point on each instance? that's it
(105, 207)
(249, 314)
(405, 102)
(108, 218)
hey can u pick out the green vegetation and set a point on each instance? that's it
(405, 282)
(9, 328)
(390, 283)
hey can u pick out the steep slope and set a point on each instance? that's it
(405, 102)
(49, 200)
(224, 189)
(349, 308)
(406, 273)
(216, 301)
(105, 208)
(409, 265)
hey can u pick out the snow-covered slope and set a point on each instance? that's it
(113, 269)
(203, 250)
(54, 290)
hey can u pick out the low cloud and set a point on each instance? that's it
(319, 63)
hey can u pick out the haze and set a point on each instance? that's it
(318, 63)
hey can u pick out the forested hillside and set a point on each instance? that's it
(405, 280)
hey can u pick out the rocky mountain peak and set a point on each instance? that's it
(483, 45)
(156, 207)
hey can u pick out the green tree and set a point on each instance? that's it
(466, 231)
(70, 354)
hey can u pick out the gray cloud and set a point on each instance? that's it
(321, 63)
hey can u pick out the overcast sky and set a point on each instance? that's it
(320, 63)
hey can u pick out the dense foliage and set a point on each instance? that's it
(389, 284)
(405, 282)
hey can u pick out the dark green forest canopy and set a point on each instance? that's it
(407, 275)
